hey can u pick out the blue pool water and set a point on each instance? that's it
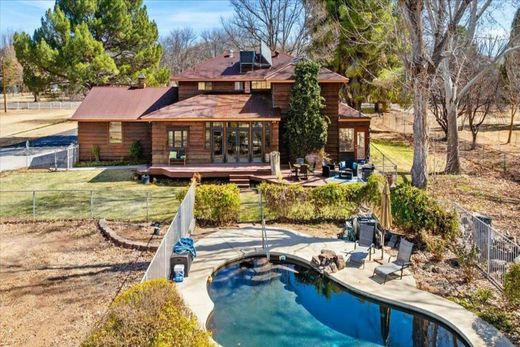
(264, 304)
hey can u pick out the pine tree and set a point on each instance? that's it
(83, 43)
(306, 126)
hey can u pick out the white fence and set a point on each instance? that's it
(496, 252)
(44, 105)
(181, 225)
(39, 157)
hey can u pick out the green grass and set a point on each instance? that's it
(249, 208)
(114, 193)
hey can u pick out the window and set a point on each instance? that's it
(346, 139)
(115, 132)
(178, 138)
(260, 85)
(207, 135)
(239, 86)
(205, 86)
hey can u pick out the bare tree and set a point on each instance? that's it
(511, 75)
(281, 24)
(180, 50)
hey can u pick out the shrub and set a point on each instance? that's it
(281, 198)
(436, 245)
(149, 314)
(136, 150)
(373, 189)
(512, 285)
(95, 152)
(337, 201)
(496, 317)
(467, 257)
(217, 204)
(414, 210)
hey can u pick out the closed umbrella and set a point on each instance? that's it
(385, 213)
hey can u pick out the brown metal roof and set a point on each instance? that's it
(286, 74)
(347, 113)
(217, 107)
(123, 103)
(225, 68)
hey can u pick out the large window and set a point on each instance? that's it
(239, 86)
(178, 138)
(205, 86)
(115, 132)
(260, 85)
(346, 140)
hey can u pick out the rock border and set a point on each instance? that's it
(120, 241)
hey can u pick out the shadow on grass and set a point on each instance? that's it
(113, 176)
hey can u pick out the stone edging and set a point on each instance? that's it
(120, 241)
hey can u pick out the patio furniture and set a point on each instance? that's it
(346, 174)
(312, 169)
(364, 246)
(402, 261)
(304, 171)
(177, 157)
(294, 171)
(328, 170)
(300, 161)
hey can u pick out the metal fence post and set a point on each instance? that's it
(34, 204)
(92, 204)
(488, 248)
(147, 206)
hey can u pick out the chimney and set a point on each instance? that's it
(141, 81)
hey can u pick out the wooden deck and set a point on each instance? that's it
(210, 170)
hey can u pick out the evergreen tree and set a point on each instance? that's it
(354, 38)
(306, 126)
(83, 43)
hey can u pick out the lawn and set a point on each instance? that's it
(113, 194)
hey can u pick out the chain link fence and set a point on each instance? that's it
(39, 157)
(182, 224)
(125, 205)
(496, 251)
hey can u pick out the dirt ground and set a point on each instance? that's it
(57, 279)
(142, 232)
(21, 125)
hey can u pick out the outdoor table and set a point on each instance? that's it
(297, 168)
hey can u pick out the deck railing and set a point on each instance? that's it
(382, 163)
(182, 224)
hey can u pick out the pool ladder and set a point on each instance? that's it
(265, 246)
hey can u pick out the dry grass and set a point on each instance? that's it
(57, 279)
(20, 125)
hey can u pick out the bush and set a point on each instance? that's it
(217, 204)
(436, 245)
(136, 150)
(467, 257)
(95, 152)
(149, 314)
(512, 285)
(496, 317)
(414, 210)
(332, 202)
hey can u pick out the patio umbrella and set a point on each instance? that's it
(385, 213)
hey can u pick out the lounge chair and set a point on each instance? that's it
(364, 247)
(402, 261)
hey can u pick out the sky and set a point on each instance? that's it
(25, 15)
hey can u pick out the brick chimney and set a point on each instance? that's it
(141, 81)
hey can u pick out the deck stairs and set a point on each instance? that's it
(241, 180)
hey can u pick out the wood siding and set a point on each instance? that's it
(189, 89)
(96, 133)
(195, 153)
(281, 94)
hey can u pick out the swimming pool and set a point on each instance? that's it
(258, 303)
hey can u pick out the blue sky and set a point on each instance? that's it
(24, 15)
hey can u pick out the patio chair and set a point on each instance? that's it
(364, 247)
(402, 261)
(304, 171)
(177, 157)
(292, 170)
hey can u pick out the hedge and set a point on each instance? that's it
(330, 202)
(149, 314)
(414, 210)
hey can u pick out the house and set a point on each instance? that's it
(227, 110)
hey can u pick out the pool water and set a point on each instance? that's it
(258, 303)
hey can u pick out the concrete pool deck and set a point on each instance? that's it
(227, 245)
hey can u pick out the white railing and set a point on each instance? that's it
(496, 251)
(43, 105)
(181, 225)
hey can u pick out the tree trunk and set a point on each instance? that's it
(452, 152)
(513, 111)
(36, 96)
(473, 139)
(420, 131)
